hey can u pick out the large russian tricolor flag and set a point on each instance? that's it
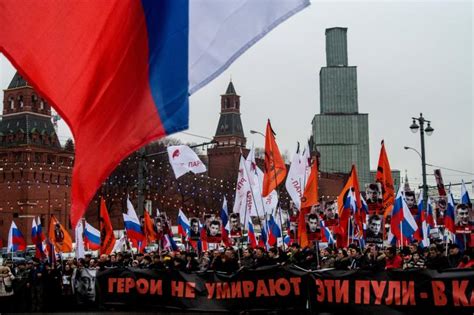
(16, 241)
(124, 69)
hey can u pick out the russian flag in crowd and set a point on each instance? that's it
(91, 237)
(225, 217)
(402, 224)
(465, 199)
(252, 239)
(287, 238)
(326, 235)
(449, 215)
(183, 224)
(37, 237)
(34, 230)
(273, 231)
(132, 224)
(16, 241)
(144, 58)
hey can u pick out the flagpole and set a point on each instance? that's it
(278, 196)
(401, 236)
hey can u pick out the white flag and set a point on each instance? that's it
(296, 177)
(263, 205)
(79, 240)
(183, 159)
(243, 201)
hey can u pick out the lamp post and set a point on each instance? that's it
(429, 131)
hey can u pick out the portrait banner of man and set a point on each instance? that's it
(195, 230)
(374, 231)
(464, 226)
(235, 226)
(331, 217)
(84, 285)
(410, 199)
(313, 230)
(373, 195)
(214, 230)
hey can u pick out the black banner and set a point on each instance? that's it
(392, 292)
(278, 288)
(268, 289)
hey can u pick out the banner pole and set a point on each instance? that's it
(401, 235)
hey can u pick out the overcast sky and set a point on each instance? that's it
(411, 57)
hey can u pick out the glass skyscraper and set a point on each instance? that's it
(340, 133)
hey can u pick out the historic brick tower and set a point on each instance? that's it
(230, 139)
(35, 171)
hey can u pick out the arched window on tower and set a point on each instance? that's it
(20, 100)
(41, 104)
(11, 101)
(34, 100)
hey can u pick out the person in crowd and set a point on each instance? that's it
(375, 259)
(261, 258)
(327, 258)
(467, 260)
(454, 255)
(247, 260)
(22, 286)
(204, 262)
(6, 289)
(357, 260)
(295, 255)
(415, 262)
(275, 256)
(392, 259)
(37, 289)
(342, 259)
(66, 287)
(191, 263)
(436, 259)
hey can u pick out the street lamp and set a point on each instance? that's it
(413, 149)
(256, 132)
(429, 131)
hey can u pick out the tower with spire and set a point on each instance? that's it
(229, 138)
(35, 170)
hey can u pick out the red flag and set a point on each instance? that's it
(59, 236)
(275, 168)
(384, 177)
(148, 228)
(107, 238)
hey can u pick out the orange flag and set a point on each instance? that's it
(309, 199)
(275, 168)
(311, 195)
(384, 177)
(352, 182)
(148, 227)
(107, 238)
(59, 236)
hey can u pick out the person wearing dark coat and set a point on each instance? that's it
(261, 259)
(436, 260)
(342, 261)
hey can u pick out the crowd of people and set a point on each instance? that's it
(70, 284)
